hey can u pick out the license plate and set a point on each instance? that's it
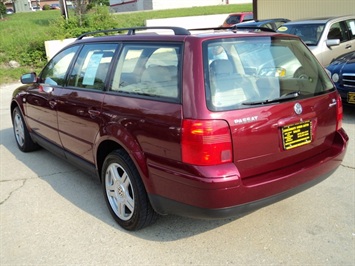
(351, 97)
(296, 135)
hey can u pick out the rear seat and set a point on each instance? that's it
(155, 80)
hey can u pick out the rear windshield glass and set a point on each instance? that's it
(245, 72)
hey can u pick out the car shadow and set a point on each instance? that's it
(85, 192)
(349, 113)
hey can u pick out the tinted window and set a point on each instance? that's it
(248, 17)
(260, 70)
(149, 71)
(233, 19)
(350, 27)
(55, 71)
(92, 66)
(336, 32)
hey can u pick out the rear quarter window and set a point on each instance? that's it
(148, 70)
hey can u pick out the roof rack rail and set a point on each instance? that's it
(234, 28)
(132, 30)
(212, 28)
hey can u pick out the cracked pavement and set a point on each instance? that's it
(52, 213)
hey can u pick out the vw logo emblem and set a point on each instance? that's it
(298, 108)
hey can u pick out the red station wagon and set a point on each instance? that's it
(202, 125)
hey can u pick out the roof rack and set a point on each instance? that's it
(212, 28)
(234, 28)
(132, 31)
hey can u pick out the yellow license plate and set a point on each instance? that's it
(351, 97)
(296, 135)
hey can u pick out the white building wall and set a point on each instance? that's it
(304, 9)
(140, 5)
(169, 4)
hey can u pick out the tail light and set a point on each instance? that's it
(339, 113)
(206, 142)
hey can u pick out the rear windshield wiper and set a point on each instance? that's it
(285, 97)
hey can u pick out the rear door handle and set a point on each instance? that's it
(334, 102)
(52, 104)
(94, 113)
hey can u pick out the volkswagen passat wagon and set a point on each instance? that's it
(202, 125)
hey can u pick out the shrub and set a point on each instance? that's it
(97, 18)
(46, 7)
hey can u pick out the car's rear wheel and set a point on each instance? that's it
(124, 192)
(22, 136)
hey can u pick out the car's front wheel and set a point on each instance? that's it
(22, 136)
(124, 192)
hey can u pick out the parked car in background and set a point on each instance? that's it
(55, 6)
(9, 11)
(272, 24)
(327, 38)
(205, 125)
(36, 8)
(342, 72)
(235, 18)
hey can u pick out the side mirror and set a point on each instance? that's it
(28, 78)
(332, 42)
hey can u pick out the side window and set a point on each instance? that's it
(336, 32)
(248, 17)
(233, 19)
(350, 25)
(149, 71)
(92, 66)
(55, 71)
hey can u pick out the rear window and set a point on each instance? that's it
(233, 19)
(246, 72)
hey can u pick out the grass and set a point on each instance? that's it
(22, 35)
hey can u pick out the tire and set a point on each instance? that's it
(125, 194)
(22, 136)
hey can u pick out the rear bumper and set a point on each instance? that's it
(167, 206)
(193, 196)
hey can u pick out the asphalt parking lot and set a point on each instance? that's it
(53, 214)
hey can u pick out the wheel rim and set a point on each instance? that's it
(119, 191)
(19, 129)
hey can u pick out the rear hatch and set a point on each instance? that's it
(274, 137)
(281, 106)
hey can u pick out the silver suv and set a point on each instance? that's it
(327, 38)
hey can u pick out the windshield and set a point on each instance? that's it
(247, 71)
(309, 33)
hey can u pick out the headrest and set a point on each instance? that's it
(221, 66)
(156, 74)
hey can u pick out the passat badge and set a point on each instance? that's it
(298, 108)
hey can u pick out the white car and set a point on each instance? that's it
(327, 38)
